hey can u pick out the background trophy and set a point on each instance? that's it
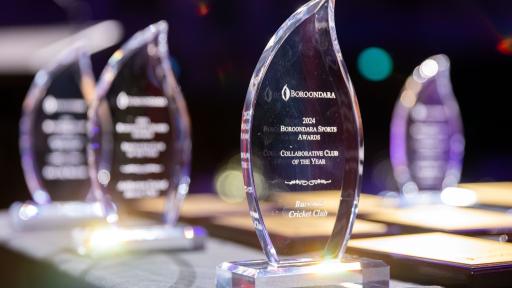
(53, 144)
(301, 124)
(427, 139)
(140, 146)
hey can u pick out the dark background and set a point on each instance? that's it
(218, 43)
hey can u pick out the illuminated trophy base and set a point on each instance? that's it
(422, 198)
(449, 196)
(454, 196)
(355, 272)
(114, 239)
(28, 215)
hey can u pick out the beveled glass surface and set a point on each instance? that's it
(351, 272)
(427, 138)
(301, 128)
(140, 129)
(53, 134)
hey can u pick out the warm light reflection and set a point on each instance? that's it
(105, 239)
(440, 247)
(351, 285)
(88, 87)
(117, 55)
(229, 186)
(335, 266)
(111, 239)
(493, 194)
(152, 50)
(408, 98)
(412, 85)
(27, 211)
(112, 218)
(97, 208)
(229, 183)
(456, 196)
(188, 232)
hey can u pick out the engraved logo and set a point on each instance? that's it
(125, 101)
(307, 182)
(285, 93)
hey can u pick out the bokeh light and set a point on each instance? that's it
(176, 68)
(505, 46)
(229, 182)
(203, 9)
(375, 64)
(428, 68)
(456, 196)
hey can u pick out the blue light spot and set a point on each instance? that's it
(375, 64)
(175, 67)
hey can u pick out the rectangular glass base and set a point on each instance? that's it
(115, 239)
(350, 272)
(31, 216)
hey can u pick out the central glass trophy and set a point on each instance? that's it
(140, 146)
(53, 143)
(427, 138)
(301, 125)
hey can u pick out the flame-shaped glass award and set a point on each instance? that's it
(53, 143)
(301, 124)
(140, 145)
(427, 139)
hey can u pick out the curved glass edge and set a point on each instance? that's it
(175, 199)
(337, 244)
(338, 241)
(118, 58)
(408, 98)
(159, 32)
(35, 94)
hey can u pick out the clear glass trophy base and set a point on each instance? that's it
(353, 272)
(114, 239)
(55, 215)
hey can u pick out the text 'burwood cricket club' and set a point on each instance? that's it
(286, 93)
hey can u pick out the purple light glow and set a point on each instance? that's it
(427, 142)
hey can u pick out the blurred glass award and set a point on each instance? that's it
(53, 143)
(427, 139)
(301, 124)
(140, 146)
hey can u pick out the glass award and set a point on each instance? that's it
(53, 142)
(140, 146)
(427, 138)
(301, 126)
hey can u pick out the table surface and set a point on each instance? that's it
(150, 269)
